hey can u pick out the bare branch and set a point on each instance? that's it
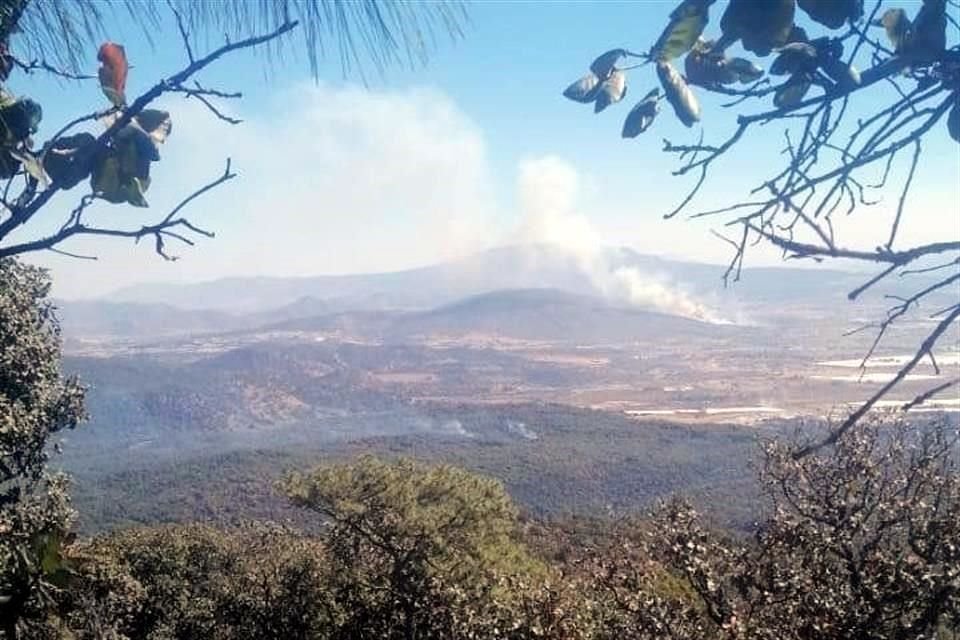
(925, 347)
(159, 230)
(183, 32)
(926, 395)
(43, 65)
(945, 265)
(71, 255)
(880, 255)
(903, 195)
(210, 106)
(872, 281)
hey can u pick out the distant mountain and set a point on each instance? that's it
(525, 314)
(101, 319)
(271, 381)
(545, 314)
(302, 307)
(366, 303)
(515, 267)
(137, 320)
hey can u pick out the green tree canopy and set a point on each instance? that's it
(417, 551)
(36, 402)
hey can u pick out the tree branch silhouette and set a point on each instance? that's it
(21, 210)
(837, 128)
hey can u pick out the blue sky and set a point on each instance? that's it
(431, 163)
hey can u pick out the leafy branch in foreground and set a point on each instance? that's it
(36, 400)
(117, 162)
(845, 132)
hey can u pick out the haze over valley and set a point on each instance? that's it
(516, 361)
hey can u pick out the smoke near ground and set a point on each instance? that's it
(548, 195)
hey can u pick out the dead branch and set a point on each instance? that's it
(926, 395)
(925, 347)
(43, 65)
(822, 179)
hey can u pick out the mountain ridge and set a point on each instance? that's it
(516, 266)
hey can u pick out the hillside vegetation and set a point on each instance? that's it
(851, 549)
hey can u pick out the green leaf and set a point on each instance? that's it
(832, 13)
(9, 166)
(156, 123)
(792, 92)
(606, 62)
(68, 161)
(761, 25)
(105, 179)
(929, 37)
(707, 69)
(795, 57)
(134, 189)
(678, 94)
(19, 120)
(687, 23)
(583, 90)
(6, 98)
(746, 70)
(642, 115)
(31, 164)
(611, 91)
(110, 182)
(953, 120)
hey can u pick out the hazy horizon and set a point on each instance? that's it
(477, 149)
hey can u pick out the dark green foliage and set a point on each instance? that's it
(553, 460)
(416, 551)
(186, 582)
(68, 159)
(409, 552)
(861, 542)
(36, 401)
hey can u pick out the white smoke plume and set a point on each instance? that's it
(548, 190)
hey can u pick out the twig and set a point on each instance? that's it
(903, 194)
(227, 175)
(183, 31)
(42, 65)
(945, 265)
(71, 255)
(213, 109)
(903, 257)
(925, 347)
(926, 395)
(158, 230)
(853, 295)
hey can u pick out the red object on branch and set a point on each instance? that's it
(113, 72)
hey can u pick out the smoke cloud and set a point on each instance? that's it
(548, 190)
